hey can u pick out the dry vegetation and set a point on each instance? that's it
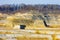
(32, 20)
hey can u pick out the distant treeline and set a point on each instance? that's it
(23, 7)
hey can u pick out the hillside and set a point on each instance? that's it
(24, 8)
